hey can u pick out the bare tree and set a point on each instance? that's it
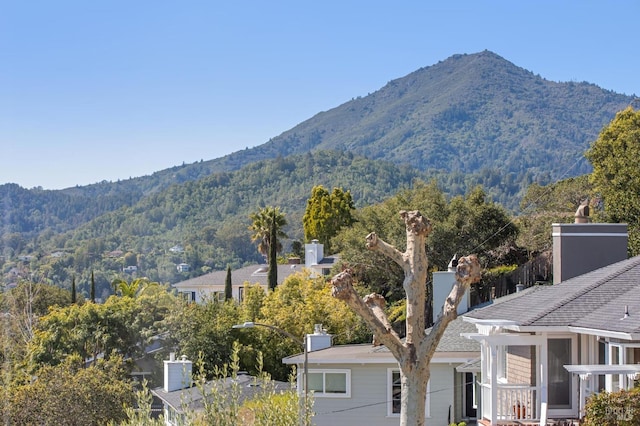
(415, 351)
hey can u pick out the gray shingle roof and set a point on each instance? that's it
(594, 300)
(451, 342)
(193, 397)
(252, 274)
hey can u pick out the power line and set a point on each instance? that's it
(386, 401)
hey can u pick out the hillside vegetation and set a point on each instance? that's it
(468, 120)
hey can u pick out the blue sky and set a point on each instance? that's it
(108, 89)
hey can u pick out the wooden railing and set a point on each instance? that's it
(514, 402)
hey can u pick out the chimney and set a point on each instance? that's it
(582, 246)
(320, 339)
(313, 253)
(443, 281)
(177, 374)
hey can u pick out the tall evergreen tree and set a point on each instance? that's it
(228, 288)
(73, 290)
(93, 288)
(326, 214)
(272, 277)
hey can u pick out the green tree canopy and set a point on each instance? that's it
(68, 394)
(469, 224)
(616, 174)
(326, 214)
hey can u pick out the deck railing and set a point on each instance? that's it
(514, 402)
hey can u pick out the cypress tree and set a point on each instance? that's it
(228, 288)
(272, 277)
(73, 290)
(93, 288)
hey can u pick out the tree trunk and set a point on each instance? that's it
(414, 353)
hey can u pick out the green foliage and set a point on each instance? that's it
(326, 214)
(142, 414)
(469, 224)
(204, 330)
(121, 324)
(70, 395)
(620, 408)
(553, 203)
(295, 306)
(616, 175)
(223, 404)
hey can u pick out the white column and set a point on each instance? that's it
(494, 383)
(543, 381)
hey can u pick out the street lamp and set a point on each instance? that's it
(305, 366)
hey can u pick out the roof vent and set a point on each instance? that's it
(582, 214)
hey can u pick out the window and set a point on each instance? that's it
(560, 389)
(394, 392)
(240, 294)
(330, 383)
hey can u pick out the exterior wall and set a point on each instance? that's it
(521, 365)
(368, 402)
(206, 293)
(579, 248)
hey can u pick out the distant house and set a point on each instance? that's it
(183, 267)
(179, 394)
(130, 269)
(26, 258)
(177, 249)
(115, 253)
(212, 285)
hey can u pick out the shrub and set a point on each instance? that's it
(613, 408)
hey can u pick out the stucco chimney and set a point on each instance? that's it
(582, 246)
(443, 282)
(177, 373)
(320, 339)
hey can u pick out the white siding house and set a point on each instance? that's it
(358, 384)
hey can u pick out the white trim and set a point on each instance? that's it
(390, 413)
(605, 333)
(346, 372)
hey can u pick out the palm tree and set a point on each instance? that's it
(133, 289)
(267, 229)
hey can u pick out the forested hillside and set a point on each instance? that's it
(468, 120)
(209, 218)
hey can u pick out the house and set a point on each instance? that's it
(183, 267)
(130, 269)
(360, 384)
(179, 393)
(545, 349)
(212, 285)
(177, 249)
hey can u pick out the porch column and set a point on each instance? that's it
(583, 397)
(543, 380)
(609, 361)
(493, 366)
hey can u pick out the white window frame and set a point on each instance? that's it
(347, 374)
(390, 413)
